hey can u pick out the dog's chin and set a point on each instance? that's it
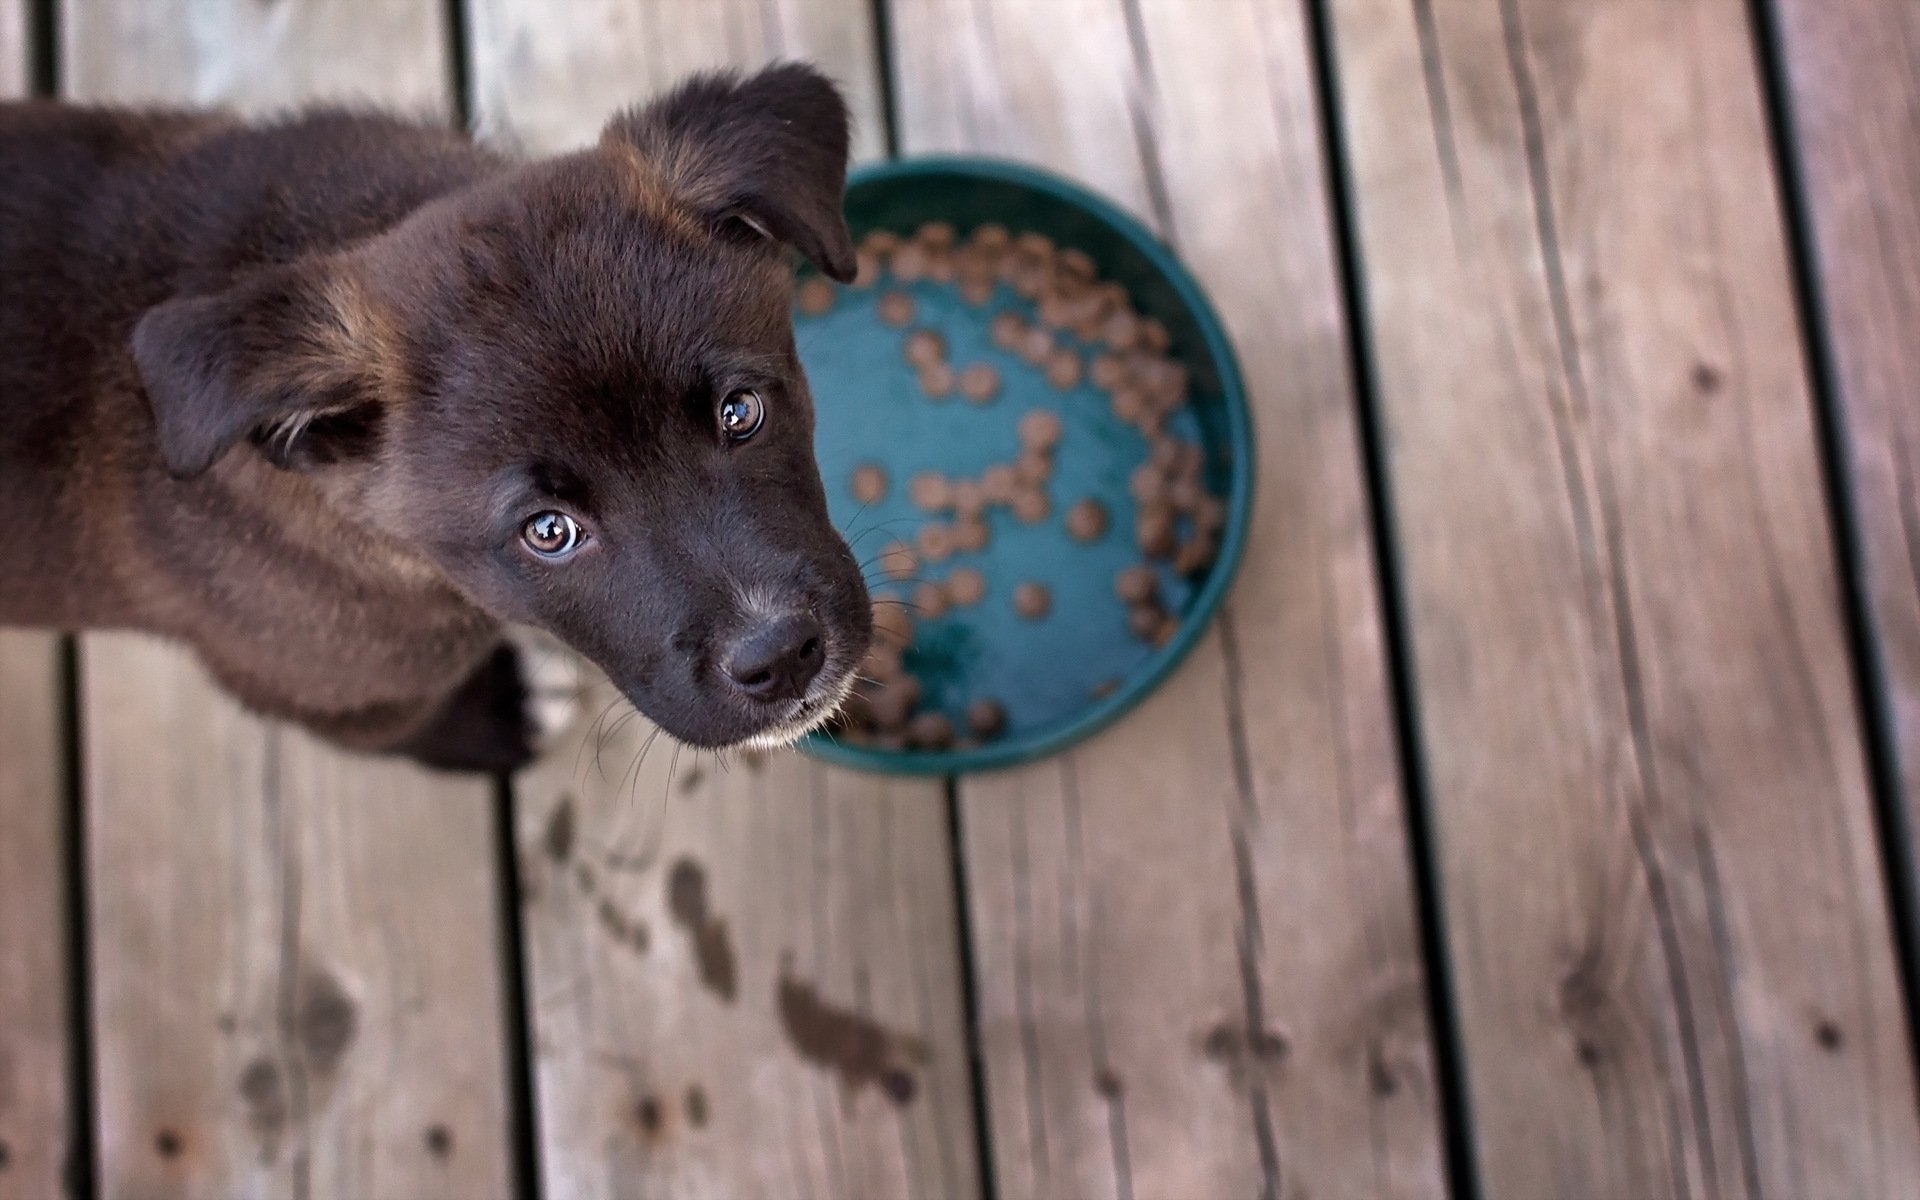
(809, 714)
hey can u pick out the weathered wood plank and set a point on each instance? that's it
(296, 953)
(1666, 913)
(1197, 960)
(1853, 67)
(36, 1109)
(697, 944)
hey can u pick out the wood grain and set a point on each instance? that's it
(14, 64)
(36, 1108)
(296, 953)
(1196, 954)
(695, 1049)
(1853, 67)
(1663, 894)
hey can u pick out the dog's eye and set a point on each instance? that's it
(740, 415)
(552, 534)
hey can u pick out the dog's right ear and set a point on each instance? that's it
(291, 357)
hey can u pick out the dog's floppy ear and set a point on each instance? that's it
(289, 356)
(767, 151)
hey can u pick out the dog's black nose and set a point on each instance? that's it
(777, 658)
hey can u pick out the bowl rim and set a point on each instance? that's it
(1140, 682)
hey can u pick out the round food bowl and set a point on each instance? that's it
(1061, 677)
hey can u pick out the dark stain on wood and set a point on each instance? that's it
(226, 1023)
(168, 1144)
(6, 1156)
(648, 1113)
(713, 949)
(325, 1019)
(1828, 1035)
(1380, 1077)
(622, 927)
(1248, 1054)
(439, 1141)
(1107, 1083)
(692, 779)
(263, 1091)
(558, 838)
(1706, 378)
(696, 1106)
(857, 1048)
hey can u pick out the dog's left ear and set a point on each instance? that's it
(766, 151)
(290, 357)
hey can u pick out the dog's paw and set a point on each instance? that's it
(515, 705)
(554, 679)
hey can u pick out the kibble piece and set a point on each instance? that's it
(1194, 556)
(976, 290)
(909, 263)
(930, 601)
(1154, 533)
(898, 561)
(1007, 330)
(1210, 515)
(1063, 370)
(1031, 506)
(969, 498)
(894, 308)
(970, 535)
(999, 482)
(1154, 336)
(1077, 263)
(1087, 521)
(814, 297)
(1129, 404)
(1032, 600)
(986, 717)
(991, 236)
(1165, 453)
(1036, 346)
(931, 492)
(883, 661)
(893, 702)
(1039, 245)
(1144, 620)
(966, 587)
(1032, 469)
(866, 268)
(892, 623)
(1147, 484)
(924, 347)
(881, 241)
(980, 383)
(1122, 330)
(1040, 430)
(937, 233)
(936, 380)
(1169, 626)
(1185, 493)
(1107, 372)
(931, 731)
(1136, 585)
(936, 542)
(869, 483)
(940, 266)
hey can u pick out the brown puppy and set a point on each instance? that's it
(334, 399)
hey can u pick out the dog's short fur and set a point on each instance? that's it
(291, 392)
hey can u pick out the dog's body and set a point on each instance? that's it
(297, 394)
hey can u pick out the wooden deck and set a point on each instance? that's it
(1537, 822)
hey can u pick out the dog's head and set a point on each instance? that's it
(573, 388)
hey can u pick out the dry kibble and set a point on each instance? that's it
(1077, 263)
(1185, 493)
(883, 660)
(1039, 245)
(1168, 627)
(936, 542)
(1136, 585)
(1087, 520)
(1155, 337)
(1036, 346)
(866, 268)
(931, 492)
(1121, 332)
(881, 241)
(1144, 620)
(992, 236)
(980, 383)
(1129, 404)
(986, 717)
(1195, 555)
(966, 587)
(936, 380)
(1210, 515)
(814, 296)
(894, 308)
(999, 482)
(924, 347)
(892, 623)
(1032, 600)
(869, 483)
(1031, 506)
(1007, 330)
(1147, 484)
(893, 703)
(1107, 372)
(1032, 469)
(937, 233)
(940, 266)
(1165, 453)
(970, 535)
(1040, 430)
(976, 290)
(930, 601)
(931, 731)
(898, 561)
(969, 498)
(1154, 533)
(909, 263)
(1063, 370)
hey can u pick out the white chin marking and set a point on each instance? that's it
(782, 736)
(555, 679)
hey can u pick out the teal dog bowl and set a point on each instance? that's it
(1061, 678)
